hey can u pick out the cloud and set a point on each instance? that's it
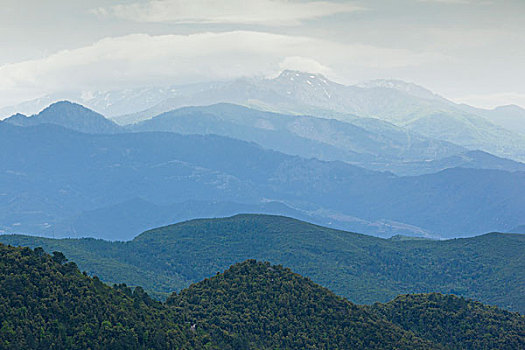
(304, 64)
(266, 12)
(141, 59)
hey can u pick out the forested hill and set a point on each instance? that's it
(450, 321)
(269, 307)
(45, 302)
(488, 268)
(275, 308)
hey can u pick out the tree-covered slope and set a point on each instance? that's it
(46, 304)
(258, 306)
(364, 269)
(454, 322)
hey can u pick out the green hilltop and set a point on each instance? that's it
(364, 269)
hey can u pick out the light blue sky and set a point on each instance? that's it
(466, 50)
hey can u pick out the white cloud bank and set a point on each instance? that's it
(267, 12)
(140, 59)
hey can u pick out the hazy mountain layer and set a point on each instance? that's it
(366, 142)
(510, 117)
(518, 229)
(362, 141)
(403, 104)
(51, 175)
(499, 131)
(469, 159)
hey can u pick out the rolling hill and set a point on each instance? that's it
(126, 220)
(364, 269)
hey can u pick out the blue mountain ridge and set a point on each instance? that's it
(51, 174)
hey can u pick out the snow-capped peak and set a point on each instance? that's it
(298, 76)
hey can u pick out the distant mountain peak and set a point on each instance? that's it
(63, 105)
(290, 73)
(296, 76)
(17, 119)
(510, 108)
(70, 115)
(19, 115)
(400, 85)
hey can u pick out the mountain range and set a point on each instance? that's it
(403, 104)
(283, 170)
(50, 175)
(366, 142)
(364, 269)
(407, 105)
(76, 171)
(362, 142)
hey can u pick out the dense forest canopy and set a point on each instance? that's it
(45, 302)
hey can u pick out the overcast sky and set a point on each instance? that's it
(470, 51)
